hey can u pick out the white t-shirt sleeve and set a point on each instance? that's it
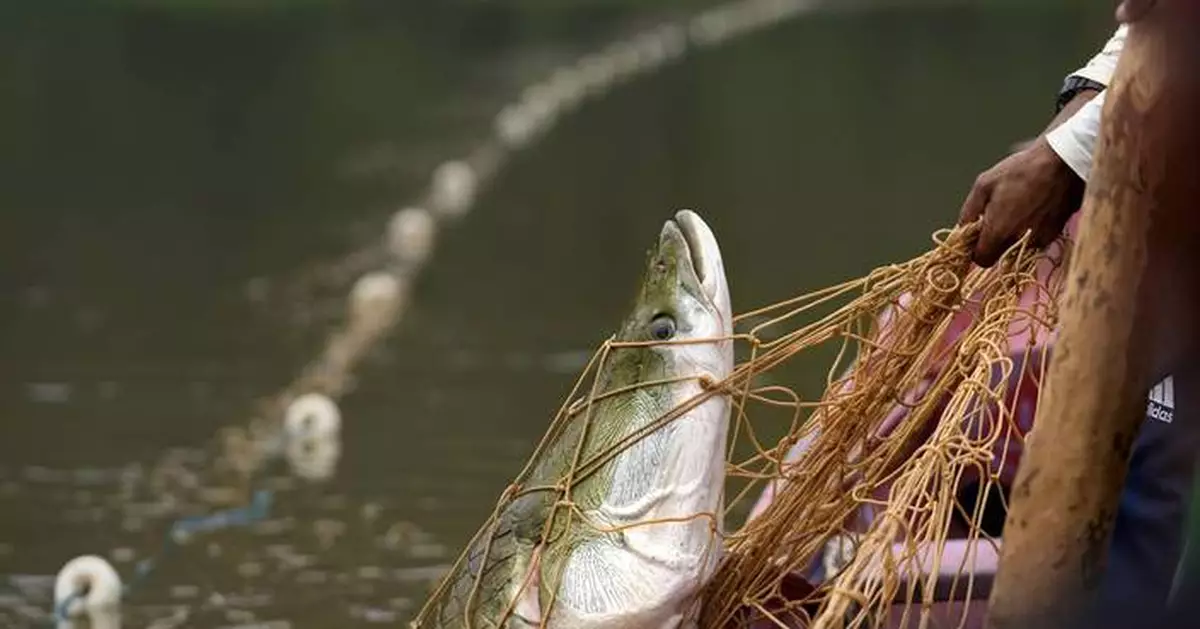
(1075, 139)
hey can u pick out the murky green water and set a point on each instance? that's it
(174, 186)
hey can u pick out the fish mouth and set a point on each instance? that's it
(702, 250)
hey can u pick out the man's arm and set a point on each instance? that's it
(1038, 188)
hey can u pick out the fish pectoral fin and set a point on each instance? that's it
(523, 592)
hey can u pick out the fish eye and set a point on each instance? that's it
(662, 327)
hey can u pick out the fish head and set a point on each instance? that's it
(683, 307)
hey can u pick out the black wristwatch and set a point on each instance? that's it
(1072, 87)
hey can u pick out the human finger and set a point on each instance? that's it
(994, 236)
(976, 201)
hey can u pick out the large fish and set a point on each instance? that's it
(638, 533)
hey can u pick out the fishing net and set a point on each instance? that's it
(886, 498)
(871, 502)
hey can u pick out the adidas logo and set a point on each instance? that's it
(1162, 401)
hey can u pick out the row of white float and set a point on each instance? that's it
(90, 586)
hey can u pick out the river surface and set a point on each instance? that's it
(175, 186)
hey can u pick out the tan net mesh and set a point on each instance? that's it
(904, 452)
